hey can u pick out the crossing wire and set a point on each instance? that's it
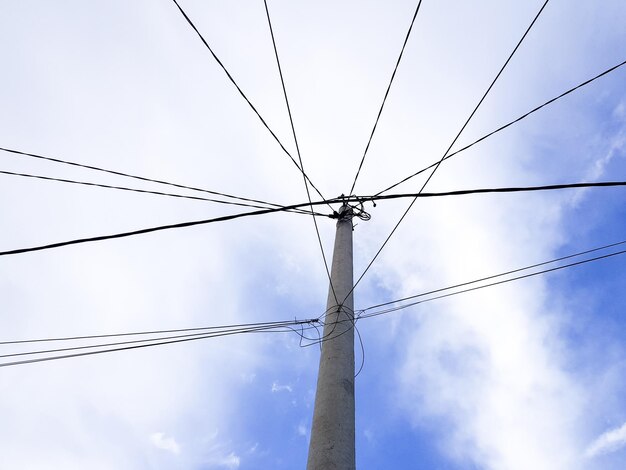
(124, 347)
(510, 123)
(295, 139)
(243, 95)
(137, 177)
(496, 283)
(228, 330)
(150, 332)
(145, 191)
(452, 144)
(506, 273)
(152, 229)
(151, 340)
(382, 105)
(305, 204)
(512, 189)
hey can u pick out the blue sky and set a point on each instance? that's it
(526, 375)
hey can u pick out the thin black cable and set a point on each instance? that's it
(305, 204)
(360, 199)
(512, 189)
(328, 336)
(150, 332)
(148, 340)
(232, 80)
(155, 229)
(510, 123)
(126, 348)
(144, 191)
(384, 312)
(128, 175)
(356, 328)
(295, 139)
(453, 142)
(506, 273)
(382, 105)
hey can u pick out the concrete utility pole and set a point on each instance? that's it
(332, 433)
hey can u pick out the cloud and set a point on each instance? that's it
(164, 442)
(281, 388)
(491, 368)
(609, 441)
(230, 461)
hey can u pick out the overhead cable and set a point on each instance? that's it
(295, 138)
(128, 175)
(144, 191)
(152, 229)
(362, 313)
(152, 332)
(510, 123)
(243, 95)
(436, 167)
(382, 105)
(342, 200)
(243, 329)
(139, 346)
(513, 189)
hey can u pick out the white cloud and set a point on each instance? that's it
(276, 387)
(164, 442)
(492, 367)
(254, 448)
(609, 441)
(229, 461)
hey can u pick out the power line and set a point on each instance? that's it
(152, 229)
(295, 138)
(343, 200)
(227, 330)
(232, 80)
(149, 340)
(150, 332)
(513, 189)
(578, 263)
(510, 123)
(128, 175)
(382, 105)
(453, 142)
(138, 346)
(506, 273)
(144, 191)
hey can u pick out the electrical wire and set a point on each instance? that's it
(137, 346)
(260, 327)
(362, 350)
(243, 95)
(295, 139)
(471, 289)
(382, 105)
(104, 345)
(152, 229)
(512, 189)
(510, 123)
(128, 175)
(149, 340)
(434, 170)
(358, 210)
(152, 332)
(144, 191)
(342, 200)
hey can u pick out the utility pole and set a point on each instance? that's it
(332, 433)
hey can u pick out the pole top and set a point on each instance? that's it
(345, 212)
